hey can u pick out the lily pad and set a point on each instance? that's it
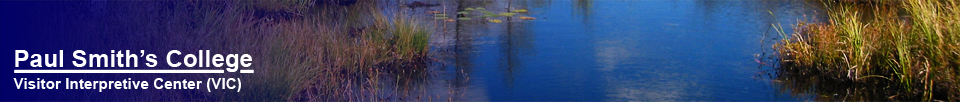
(495, 20)
(507, 14)
(489, 14)
(469, 9)
(464, 18)
(528, 18)
(519, 10)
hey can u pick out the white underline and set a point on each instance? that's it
(124, 71)
(246, 71)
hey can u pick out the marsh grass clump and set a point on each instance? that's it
(303, 51)
(329, 53)
(355, 58)
(909, 48)
(406, 37)
(409, 38)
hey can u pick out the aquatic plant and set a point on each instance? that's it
(528, 18)
(507, 14)
(465, 14)
(409, 39)
(489, 14)
(440, 16)
(337, 53)
(917, 57)
(495, 20)
(306, 52)
(519, 10)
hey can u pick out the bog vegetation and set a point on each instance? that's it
(329, 50)
(894, 49)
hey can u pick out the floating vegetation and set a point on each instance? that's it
(449, 20)
(489, 14)
(440, 16)
(528, 18)
(433, 12)
(507, 14)
(465, 14)
(519, 10)
(495, 20)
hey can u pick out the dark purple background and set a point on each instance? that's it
(44, 27)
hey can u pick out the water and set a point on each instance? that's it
(613, 50)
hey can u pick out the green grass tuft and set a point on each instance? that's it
(914, 55)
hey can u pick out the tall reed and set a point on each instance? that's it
(326, 53)
(909, 46)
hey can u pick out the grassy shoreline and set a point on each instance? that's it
(314, 50)
(910, 48)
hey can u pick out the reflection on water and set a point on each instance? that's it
(610, 50)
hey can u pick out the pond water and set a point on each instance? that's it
(612, 50)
